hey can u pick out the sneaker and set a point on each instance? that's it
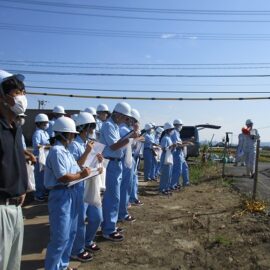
(92, 248)
(39, 199)
(137, 203)
(115, 237)
(130, 218)
(84, 256)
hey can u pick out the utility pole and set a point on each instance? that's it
(41, 104)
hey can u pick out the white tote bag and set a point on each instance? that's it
(168, 160)
(31, 185)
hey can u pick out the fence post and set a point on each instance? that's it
(255, 177)
(224, 159)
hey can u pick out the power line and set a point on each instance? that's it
(142, 10)
(132, 64)
(132, 34)
(145, 91)
(132, 17)
(139, 75)
(150, 98)
(136, 68)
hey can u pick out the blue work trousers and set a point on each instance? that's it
(39, 180)
(148, 163)
(135, 180)
(111, 198)
(166, 175)
(63, 218)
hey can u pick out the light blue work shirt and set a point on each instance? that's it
(110, 135)
(59, 163)
(166, 142)
(40, 137)
(175, 136)
(77, 147)
(124, 129)
(149, 140)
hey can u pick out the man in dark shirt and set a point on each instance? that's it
(13, 173)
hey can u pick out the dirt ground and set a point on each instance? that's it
(196, 228)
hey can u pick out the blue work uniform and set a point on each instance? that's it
(99, 125)
(109, 135)
(23, 142)
(127, 178)
(63, 207)
(40, 137)
(180, 166)
(85, 233)
(166, 169)
(148, 157)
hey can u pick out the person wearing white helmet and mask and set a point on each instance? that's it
(128, 164)
(148, 153)
(103, 113)
(136, 149)
(40, 139)
(249, 147)
(13, 179)
(180, 166)
(110, 137)
(166, 166)
(62, 169)
(58, 111)
(80, 149)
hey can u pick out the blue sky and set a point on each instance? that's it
(231, 115)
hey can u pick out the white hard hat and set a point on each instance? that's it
(177, 122)
(84, 118)
(91, 110)
(4, 75)
(102, 108)
(59, 109)
(64, 124)
(159, 130)
(168, 125)
(135, 114)
(148, 126)
(153, 124)
(123, 108)
(249, 122)
(41, 117)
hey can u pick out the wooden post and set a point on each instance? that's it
(255, 177)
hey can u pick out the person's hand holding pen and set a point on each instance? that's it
(89, 146)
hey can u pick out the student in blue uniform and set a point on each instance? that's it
(40, 138)
(128, 164)
(80, 149)
(136, 149)
(166, 168)
(62, 169)
(180, 166)
(113, 151)
(148, 154)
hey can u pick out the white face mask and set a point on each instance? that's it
(20, 105)
(179, 128)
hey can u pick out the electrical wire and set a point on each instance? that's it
(144, 91)
(132, 17)
(33, 72)
(150, 98)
